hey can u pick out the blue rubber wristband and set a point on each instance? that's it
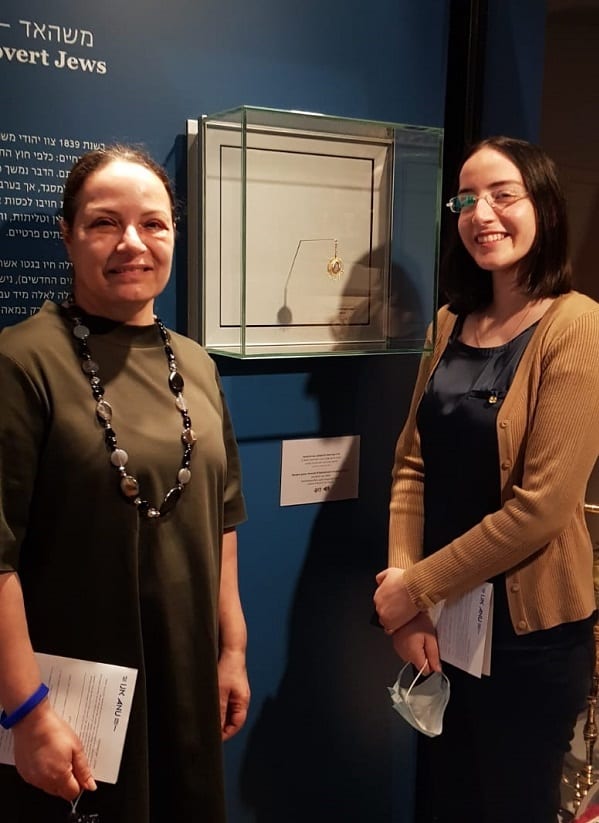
(8, 721)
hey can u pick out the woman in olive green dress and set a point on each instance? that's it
(120, 491)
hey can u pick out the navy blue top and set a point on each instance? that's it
(457, 424)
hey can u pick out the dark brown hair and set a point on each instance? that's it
(97, 159)
(545, 271)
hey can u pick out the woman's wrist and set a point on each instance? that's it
(232, 651)
(7, 721)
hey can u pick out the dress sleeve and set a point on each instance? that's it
(22, 429)
(561, 448)
(234, 503)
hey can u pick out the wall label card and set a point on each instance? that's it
(316, 470)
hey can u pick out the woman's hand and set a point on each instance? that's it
(233, 685)
(392, 600)
(416, 643)
(234, 691)
(49, 755)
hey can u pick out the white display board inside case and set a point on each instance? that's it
(310, 234)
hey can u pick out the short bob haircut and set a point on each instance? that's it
(94, 161)
(545, 271)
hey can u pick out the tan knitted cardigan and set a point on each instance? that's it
(548, 436)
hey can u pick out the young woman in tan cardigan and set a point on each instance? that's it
(488, 485)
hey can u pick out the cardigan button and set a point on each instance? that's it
(503, 424)
(515, 587)
(507, 464)
(522, 624)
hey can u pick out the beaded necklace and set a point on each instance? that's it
(128, 484)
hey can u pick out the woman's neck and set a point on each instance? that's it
(508, 297)
(131, 314)
(509, 314)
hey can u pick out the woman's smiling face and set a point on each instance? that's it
(498, 238)
(121, 242)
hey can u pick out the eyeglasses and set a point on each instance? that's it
(499, 200)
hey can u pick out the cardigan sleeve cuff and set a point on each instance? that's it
(420, 599)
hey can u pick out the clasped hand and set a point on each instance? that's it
(413, 634)
(392, 601)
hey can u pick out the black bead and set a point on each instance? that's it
(90, 367)
(175, 382)
(171, 499)
(110, 438)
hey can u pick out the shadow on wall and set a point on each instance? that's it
(321, 746)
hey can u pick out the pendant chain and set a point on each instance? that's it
(512, 334)
(129, 485)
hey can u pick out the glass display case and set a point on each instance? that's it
(310, 234)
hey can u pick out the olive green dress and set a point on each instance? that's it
(101, 583)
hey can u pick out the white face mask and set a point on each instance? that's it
(421, 705)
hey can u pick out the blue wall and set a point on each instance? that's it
(321, 742)
(514, 68)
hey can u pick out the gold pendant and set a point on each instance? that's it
(335, 265)
(335, 268)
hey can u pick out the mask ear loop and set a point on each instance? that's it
(76, 801)
(411, 685)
